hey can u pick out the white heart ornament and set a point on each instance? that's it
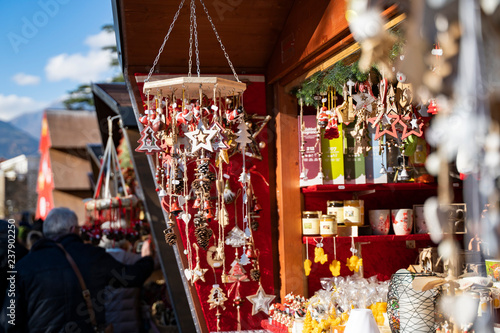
(186, 217)
(181, 200)
(188, 273)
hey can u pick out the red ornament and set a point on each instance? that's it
(393, 119)
(433, 107)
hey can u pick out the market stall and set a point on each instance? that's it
(309, 164)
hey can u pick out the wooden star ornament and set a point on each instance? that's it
(201, 138)
(198, 273)
(415, 125)
(389, 128)
(260, 301)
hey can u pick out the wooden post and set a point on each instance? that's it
(288, 195)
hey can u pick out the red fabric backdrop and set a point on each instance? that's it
(254, 103)
(382, 255)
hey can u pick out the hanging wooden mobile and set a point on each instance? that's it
(192, 125)
(111, 201)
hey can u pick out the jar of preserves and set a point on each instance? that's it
(354, 213)
(336, 208)
(328, 225)
(310, 223)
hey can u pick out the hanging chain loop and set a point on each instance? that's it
(164, 41)
(220, 42)
(195, 28)
(190, 39)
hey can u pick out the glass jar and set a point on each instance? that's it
(354, 213)
(328, 226)
(310, 223)
(336, 208)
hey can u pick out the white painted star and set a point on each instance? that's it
(414, 123)
(260, 301)
(201, 138)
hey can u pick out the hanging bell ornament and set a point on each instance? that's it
(209, 214)
(207, 205)
(175, 208)
(257, 207)
(162, 193)
(197, 203)
(250, 253)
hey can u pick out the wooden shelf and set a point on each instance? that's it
(371, 238)
(370, 187)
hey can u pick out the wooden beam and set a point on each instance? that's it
(294, 55)
(185, 302)
(288, 195)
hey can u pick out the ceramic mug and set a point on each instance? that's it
(380, 221)
(420, 225)
(402, 221)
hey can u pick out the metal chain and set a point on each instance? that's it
(220, 42)
(190, 38)
(196, 39)
(164, 41)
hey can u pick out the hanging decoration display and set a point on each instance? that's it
(203, 144)
(379, 102)
(114, 211)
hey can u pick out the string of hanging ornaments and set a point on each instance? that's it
(113, 211)
(193, 125)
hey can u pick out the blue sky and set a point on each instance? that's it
(48, 47)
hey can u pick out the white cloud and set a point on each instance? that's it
(100, 40)
(78, 67)
(23, 79)
(12, 106)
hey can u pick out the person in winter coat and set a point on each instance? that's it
(122, 306)
(48, 296)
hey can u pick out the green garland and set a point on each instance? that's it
(333, 77)
(337, 75)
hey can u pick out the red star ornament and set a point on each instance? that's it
(393, 121)
(415, 124)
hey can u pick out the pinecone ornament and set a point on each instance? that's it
(170, 236)
(178, 186)
(254, 225)
(255, 274)
(211, 176)
(203, 167)
(203, 235)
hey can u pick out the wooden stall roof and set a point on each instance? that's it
(72, 129)
(70, 171)
(117, 91)
(249, 30)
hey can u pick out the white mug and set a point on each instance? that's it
(380, 221)
(402, 221)
(420, 225)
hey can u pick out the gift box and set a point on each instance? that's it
(309, 161)
(354, 165)
(333, 159)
